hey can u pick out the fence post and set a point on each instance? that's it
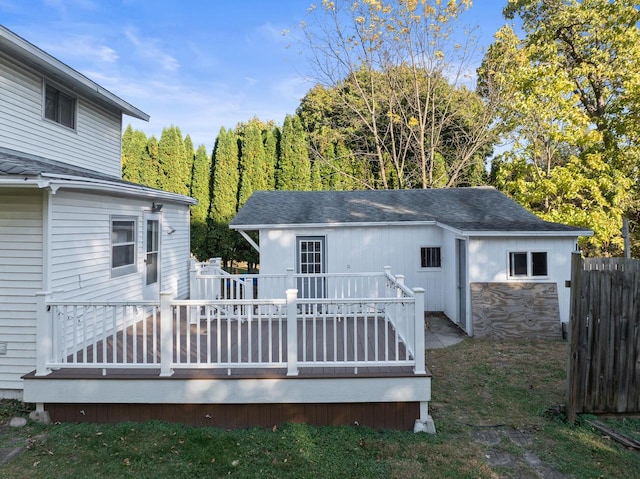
(44, 334)
(418, 294)
(166, 333)
(292, 332)
(575, 323)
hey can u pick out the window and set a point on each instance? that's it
(524, 264)
(59, 107)
(430, 257)
(123, 246)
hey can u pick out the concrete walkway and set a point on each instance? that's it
(440, 332)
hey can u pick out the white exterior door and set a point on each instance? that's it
(461, 280)
(311, 261)
(152, 256)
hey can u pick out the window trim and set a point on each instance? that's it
(529, 263)
(66, 93)
(125, 269)
(431, 268)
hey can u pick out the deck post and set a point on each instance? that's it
(418, 294)
(166, 333)
(292, 332)
(44, 334)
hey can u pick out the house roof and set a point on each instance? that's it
(20, 49)
(21, 169)
(479, 209)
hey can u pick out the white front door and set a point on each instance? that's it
(152, 256)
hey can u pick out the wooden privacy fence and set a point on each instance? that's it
(604, 359)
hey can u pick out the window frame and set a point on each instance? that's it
(129, 268)
(61, 94)
(426, 266)
(529, 264)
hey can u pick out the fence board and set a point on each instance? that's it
(603, 368)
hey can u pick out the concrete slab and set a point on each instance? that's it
(440, 332)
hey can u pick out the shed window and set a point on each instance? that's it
(59, 107)
(528, 264)
(430, 257)
(123, 246)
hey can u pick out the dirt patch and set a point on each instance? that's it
(510, 451)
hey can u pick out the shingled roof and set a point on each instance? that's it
(17, 165)
(464, 209)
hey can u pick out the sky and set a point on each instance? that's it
(196, 64)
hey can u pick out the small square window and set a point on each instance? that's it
(517, 264)
(539, 264)
(59, 107)
(430, 257)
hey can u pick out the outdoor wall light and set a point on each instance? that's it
(156, 208)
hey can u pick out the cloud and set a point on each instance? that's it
(84, 47)
(148, 48)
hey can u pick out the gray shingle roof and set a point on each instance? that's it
(13, 163)
(465, 209)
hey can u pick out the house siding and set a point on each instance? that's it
(363, 249)
(80, 265)
(21, 269)
(94, 144)
(488, 262)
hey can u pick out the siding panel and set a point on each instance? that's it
(20, 278)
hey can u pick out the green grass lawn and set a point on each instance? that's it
(478, 386)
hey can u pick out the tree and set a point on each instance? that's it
(270, 138)
(224, 195)
(293, 170)
(394, 68)
(174, 161)
(571, 112)
(253, 169)
(200, 179)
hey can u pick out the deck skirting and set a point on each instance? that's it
(393, 415)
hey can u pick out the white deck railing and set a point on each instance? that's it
(359, 320)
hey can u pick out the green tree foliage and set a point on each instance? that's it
(391, 88)
(253, 169)
(200, 180)
(293, 170)
(175, 163)
(570, 108)
(271, 138)
(225, 178)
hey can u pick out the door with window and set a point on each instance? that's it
(310, 265)
(152, 256)
(461, 280)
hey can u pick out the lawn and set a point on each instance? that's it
(494, 404)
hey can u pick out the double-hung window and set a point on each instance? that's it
(525, 264)
(430, 257)
(59, 107)
(123, 245)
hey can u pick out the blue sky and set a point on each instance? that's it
(196, 64)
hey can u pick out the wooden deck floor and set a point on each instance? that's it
(228, 344)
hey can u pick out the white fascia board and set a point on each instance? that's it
(27, 52)
(228, 391)
(516, 234)
(329, 225)
(55, 182)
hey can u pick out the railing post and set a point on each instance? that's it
(387, 277)
(292, 332)
(166, 333)
(193, 275)
(290, 281)
(400, 281)
(215, 265)
(44, 334)
(418, 340)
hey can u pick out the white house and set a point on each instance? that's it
(491, 266)
(70, 226)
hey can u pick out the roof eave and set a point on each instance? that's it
(256, 227)
(29, 53)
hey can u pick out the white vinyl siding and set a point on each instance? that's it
(21, 267)
(94, 144)
(81, 247)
